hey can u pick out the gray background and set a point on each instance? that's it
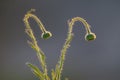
(96, 60)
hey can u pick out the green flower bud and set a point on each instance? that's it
(46, 35)
(90, 36)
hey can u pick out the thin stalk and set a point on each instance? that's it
(68, 41)
(33, 42)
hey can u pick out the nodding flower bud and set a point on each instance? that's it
(90, 36)
(46, 35)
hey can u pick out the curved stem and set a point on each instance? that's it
(33, 42)
(68, 41)
(30, 15)
(86, 25)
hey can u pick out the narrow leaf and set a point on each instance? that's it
(36, 71)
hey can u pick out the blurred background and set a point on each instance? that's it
(96, 60)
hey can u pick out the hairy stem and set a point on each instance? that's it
(68, 41)
(33, 42)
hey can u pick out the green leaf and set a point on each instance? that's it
(53, 74)
(36, 71)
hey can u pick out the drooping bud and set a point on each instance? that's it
(90, 36)
(46, 35)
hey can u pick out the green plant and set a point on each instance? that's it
(56, 73)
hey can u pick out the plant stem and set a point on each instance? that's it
(68, 41)
(33, 42)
